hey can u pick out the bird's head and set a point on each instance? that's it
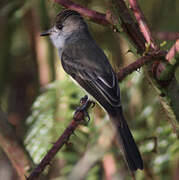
(67, 22)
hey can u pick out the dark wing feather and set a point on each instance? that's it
(98, 80)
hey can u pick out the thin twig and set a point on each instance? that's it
(142, 23)
(78, 118)
(139, 63)
(55, 148)
(173, 51)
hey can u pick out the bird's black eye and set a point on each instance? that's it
(60, 26)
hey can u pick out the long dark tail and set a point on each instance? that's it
(127, 142)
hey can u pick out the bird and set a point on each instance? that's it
(86, 63)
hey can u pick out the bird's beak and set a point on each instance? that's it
(46, 33)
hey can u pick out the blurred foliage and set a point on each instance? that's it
(31, 76)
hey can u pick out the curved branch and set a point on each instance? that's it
(139, 63)
(78, 118)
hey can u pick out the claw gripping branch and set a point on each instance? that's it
(79, 117)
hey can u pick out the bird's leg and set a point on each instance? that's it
(85, 104)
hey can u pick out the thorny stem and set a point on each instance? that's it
(139, 63)
(78, 118)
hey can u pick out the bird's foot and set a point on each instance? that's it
(85, 104)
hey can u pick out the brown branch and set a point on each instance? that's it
(173, 51)
(78, 118)
(142, 23)
(55, 148)
(168, 36)
(139, 63)
(92, 15)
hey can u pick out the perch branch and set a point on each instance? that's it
(139, 63)
(78, 118)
